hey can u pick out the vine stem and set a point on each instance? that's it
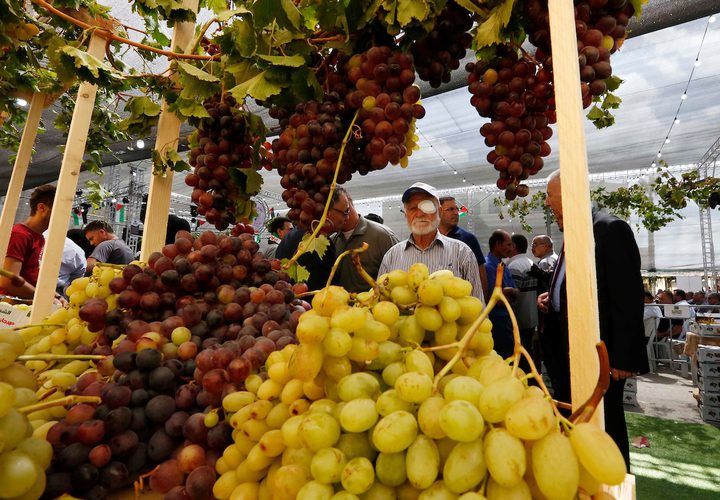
(336, 265)
(304, 244)
(60, 357)
(541, 383)
(38, 325)
(108, 35)
(60, 402)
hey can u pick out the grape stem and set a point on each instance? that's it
(60, 402)
(321, 223)
(585, 412)
(363, 273)
(57, 357)
(139, 485)
(38, 325)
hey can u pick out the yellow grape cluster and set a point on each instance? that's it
(21, 31)
(411, 143)
(23, 457)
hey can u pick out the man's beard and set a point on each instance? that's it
(422, 228)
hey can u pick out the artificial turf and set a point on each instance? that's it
(682, 461)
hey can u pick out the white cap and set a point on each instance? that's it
(419, 187)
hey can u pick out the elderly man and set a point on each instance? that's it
(352, 231)
(525, 306)
(542, 249)
(449, 218)
(109, 249)
(620, 303)
(427, 245)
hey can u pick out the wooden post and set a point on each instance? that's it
(583, 323)
(66, 187)
(22, 161)
(168, 133)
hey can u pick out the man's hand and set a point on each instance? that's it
(543, 302)
(617, 374)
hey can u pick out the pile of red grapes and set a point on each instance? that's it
(221, 147)
(378, 84)
(441, 50)
(513, 92)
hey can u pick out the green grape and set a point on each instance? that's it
(14, 339)
(428, 318)
(18, 473)
(398, 277)
(374, 330)
(465, 466)
(13, 429)
(344, 495)
(225, 485)
(463, 387)
(403, 295)
(291, 431)
(494, 370)
(327, 465)
(358, 475)
(379, 491)
(530, 418)
(288, 480)
(363, 350)
(337, 342)
(587, 482)
(315, 491)
(39, 450)
(391, 372)
(318, 430)
(499, 397)
(422, 461)
(388, 353)
(446, 334)
(418, 361)
(306, 361)
(390, 468)
(24, 397)
(430, 293)
(7, 398)
(449, 309)
(519, 491)
(356, 445)
(324, 405)
(336, 368)
(389, 402)
(7, 355)
(555, 466)
(410, 332)
(416, 274)
(461, 421)
(358, 415)
(386, 312)
(470, 309)
(457, 287)
(471, 495)
(327, 300)
(414, 387)
(505, 457)
(598, 453)
(358, 386)
(437, 491)
(350, 319)
(37, 489)
(429, 417)
(395, 432)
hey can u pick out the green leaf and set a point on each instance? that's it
(96, 193)
(216, 6)
(248, 181)
(613, 83)
(472, 7)
(488, 32)
(319, 244)
(196, 72)
(292, 13)
(279, 12)
(226, 14)
(407, 10)
(187, 108)
(611, 101)
(240, 36)
(595, 113)
(294, 61)
(196, 83)
(296, 272)
(144, 114)
(86, 67)
(169, 161)
(257, 87)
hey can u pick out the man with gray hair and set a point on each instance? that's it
(542, 249)
(427, 245)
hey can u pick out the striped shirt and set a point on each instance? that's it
(443, 253)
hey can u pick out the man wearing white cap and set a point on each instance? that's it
(426, 244)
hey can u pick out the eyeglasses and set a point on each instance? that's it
(345, 213)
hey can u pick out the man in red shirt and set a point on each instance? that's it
(26, 244)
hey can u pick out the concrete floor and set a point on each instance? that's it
(666, 395)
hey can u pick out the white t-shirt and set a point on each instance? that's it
(651, 317)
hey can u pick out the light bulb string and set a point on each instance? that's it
(444, 160)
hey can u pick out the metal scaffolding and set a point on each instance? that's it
(710, 273)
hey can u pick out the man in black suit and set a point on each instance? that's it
(620, 303)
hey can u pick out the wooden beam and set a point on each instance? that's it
(583, 323)
(65, 194)
(22, 161)
(168, 134)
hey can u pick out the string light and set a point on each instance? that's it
(684, 95)
(443, 160)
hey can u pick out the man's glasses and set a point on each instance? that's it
(345, 213)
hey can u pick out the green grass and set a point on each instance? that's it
(682, 461)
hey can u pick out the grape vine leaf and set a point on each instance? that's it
(170, 160)
(407, 10)
(282, 13)
(88, 68)
(95, 193)
(144, 114)
(296, 272)
(187, 108)
(257, 87)
(248, 180)
(318, 244)
(196, 83)
(294, 61)
(216, 6)
(488, 32)
(613, 83)
(245, 210)
(239, 37)
(472, 7)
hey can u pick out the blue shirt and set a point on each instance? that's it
(491, 265)
(470, 240)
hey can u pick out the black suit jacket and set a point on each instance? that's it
(620, 300)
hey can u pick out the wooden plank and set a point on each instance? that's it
(66, 187)
(22, 161)
(168, 133)
(623, 491)
(577, 219)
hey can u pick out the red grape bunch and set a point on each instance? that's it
(513, 92)
(221, 146)
(601, 28)
(440, 51)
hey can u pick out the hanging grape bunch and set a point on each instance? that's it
(513, 92)
(601, 28)
(221, 152)
(438, 53)
(378, 85)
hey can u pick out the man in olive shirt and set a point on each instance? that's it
(109, 249)
(352, 231)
